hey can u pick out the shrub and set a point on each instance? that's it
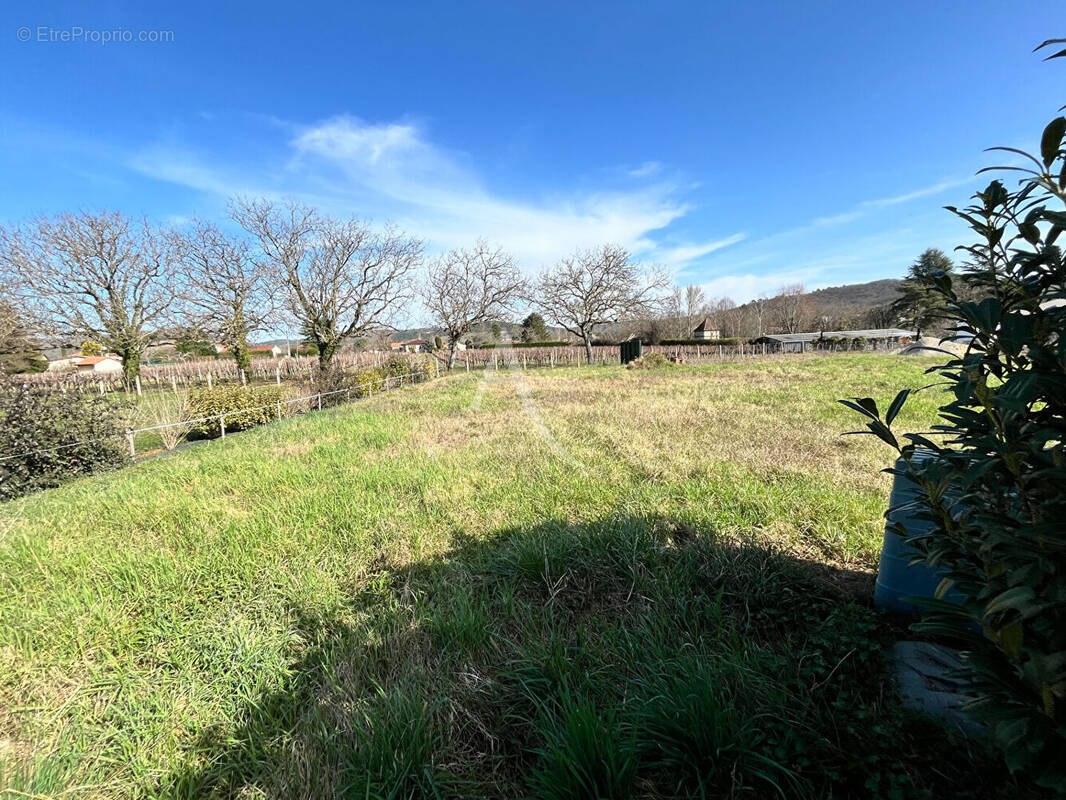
(396, 366)
(650, 361)
(39, 418)
(369, 380)
(337, 383)
(494, 346)
(992, 490)
(165, 409)
(244, 407)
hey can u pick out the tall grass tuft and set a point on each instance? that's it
(588, 755)
(708, 743)
(393, 754)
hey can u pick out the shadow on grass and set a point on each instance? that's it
(622, 658)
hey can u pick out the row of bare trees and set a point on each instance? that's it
(119, 282)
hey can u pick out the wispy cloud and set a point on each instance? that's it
(682, 255)
(867, 206)
(392, 170)
(645, 170)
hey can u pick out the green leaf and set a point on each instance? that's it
(1015, 598)
(1051, 141)
(864, 405)
(896, 405)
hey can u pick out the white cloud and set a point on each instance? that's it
(645, 170)
(393, 172)
(867, 205)
(683, 254)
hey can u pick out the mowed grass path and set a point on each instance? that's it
(572, 583)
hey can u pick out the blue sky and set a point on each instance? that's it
(744, 146)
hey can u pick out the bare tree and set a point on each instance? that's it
(465, 288)
(685, 307)
(792, 309)
(95, 275)
(341, 277)
(695, 307)
(225, 289)
(596, 287)
(759, 307)
(676, 318)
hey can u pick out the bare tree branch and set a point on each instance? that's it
(341, 277)
(226, 292)
(98, 275)
(465, 288)
(597, 287)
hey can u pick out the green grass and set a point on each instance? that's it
(615, 584)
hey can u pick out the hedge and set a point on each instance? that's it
(732, 342)
(244, 407)
(501, 345)
(36, 418)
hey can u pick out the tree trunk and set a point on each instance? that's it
(131, 367)
(325, 354)
(241, 354)
(452, 351)
(588, 348)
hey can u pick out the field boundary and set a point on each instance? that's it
(396, 381)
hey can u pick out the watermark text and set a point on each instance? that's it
(75, 34)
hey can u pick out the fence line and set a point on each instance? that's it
(209, 371)
(486, 359)
(131, 433)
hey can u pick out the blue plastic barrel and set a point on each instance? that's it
(896, 576)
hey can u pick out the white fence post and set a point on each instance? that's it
(222, 424)
(129, 439)
(320, 401)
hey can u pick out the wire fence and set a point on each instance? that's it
(207, 372)
(313, 401)
(486, 359)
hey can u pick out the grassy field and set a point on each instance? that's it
(578, 583)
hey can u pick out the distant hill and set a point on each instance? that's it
(857, 296)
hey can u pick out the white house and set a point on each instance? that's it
(98, 364)
(706, 330)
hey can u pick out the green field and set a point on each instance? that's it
(584, 582)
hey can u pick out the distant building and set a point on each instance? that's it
(87, 364)
(411, 346)
(804, 342)
(706, 330)
(99, 364)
